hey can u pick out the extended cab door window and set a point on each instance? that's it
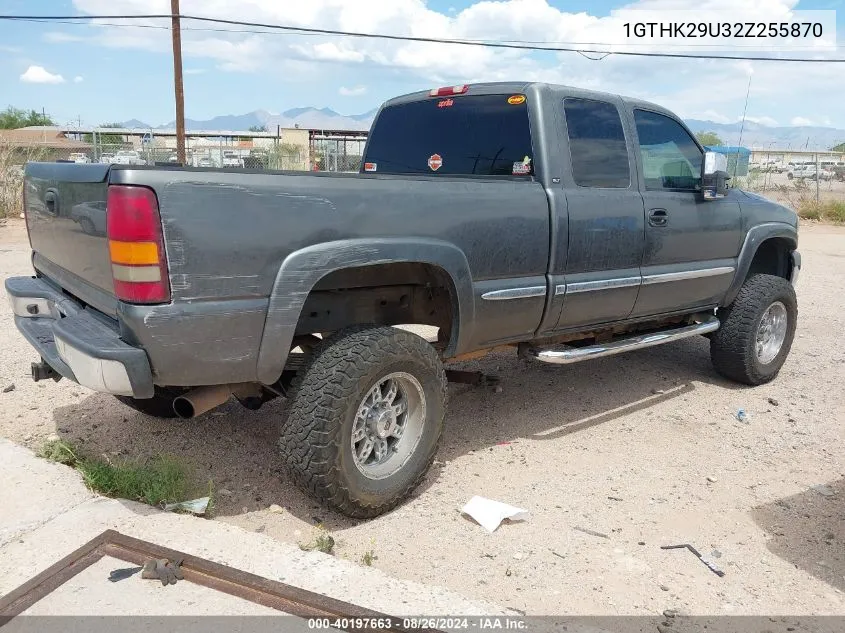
(596, 144)
(671, 159)
(483, 135)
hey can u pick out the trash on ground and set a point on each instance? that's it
(9, 388)
(558, 555)
(616, 498)
(590, 532)
(742, 416)
(489, 514)
(194, 506)
(823, 490)
(712, 479)
(124, 573)
(167, 571)
(706, 560)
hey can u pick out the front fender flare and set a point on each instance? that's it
(757, 235)
(302, 269)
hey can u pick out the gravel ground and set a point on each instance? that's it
(644, 449)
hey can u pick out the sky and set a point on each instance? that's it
(100, 73)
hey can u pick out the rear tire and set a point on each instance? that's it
(159, 406)
(379, 385)
(756, 331)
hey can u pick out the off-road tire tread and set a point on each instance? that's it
(731, 346)
(320, 394)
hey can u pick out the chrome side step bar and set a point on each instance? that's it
(564, 355)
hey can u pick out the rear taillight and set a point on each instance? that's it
(136, 245)
(448, 91)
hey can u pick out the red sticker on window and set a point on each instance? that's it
(446, 103)
(370, 167)
(435, 162)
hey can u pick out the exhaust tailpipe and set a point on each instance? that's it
(204, 399)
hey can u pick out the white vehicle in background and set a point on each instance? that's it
(801, 171)
(128, 157)
(106, 158)
(79, 157)
(231, 159)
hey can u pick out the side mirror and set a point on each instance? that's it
(714, 176)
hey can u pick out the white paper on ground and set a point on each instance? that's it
(489, 513)
(194, 506)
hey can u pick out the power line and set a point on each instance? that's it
(77, 22)
(427, 40)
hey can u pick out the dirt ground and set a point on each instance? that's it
(644, 449)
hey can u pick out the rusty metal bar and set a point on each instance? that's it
(270, 593)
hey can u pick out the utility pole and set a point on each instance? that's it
(177, 81)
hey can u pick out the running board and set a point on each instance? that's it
(564, 355)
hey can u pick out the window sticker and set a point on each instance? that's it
(446, 103)
(516, 99)
(523, 167)
(370, 167)
(435, 162)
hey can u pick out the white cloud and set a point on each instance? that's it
(356, 91)
(40, 75)
(58, 37)
(194, 71)
(762, 120)
(690, 87)
(78, 79)
(800, 120)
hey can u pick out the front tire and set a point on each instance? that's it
(756, 331)
(365, 418)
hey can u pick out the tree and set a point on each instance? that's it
(708, 138)
(12, 118)
(104, 138)
(258, 128)
(838, 148)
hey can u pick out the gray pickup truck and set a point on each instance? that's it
(560, 223)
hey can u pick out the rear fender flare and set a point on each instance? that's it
(302, 269)
(757, 235)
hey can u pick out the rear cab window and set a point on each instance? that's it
(463, 135)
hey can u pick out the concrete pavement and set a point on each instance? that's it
(47, 513)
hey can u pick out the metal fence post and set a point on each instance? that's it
(818, 177)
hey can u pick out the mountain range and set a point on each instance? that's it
(306, 118)
(759, 136)
(754, 135)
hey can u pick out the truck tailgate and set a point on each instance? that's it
(66, 218)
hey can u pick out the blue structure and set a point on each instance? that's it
(738, 158)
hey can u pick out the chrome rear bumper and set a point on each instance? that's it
(79, 343)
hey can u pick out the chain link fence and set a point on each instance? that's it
(813, 184)
(288, 150)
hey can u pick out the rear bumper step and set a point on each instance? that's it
(77, 342)
(565, 355)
